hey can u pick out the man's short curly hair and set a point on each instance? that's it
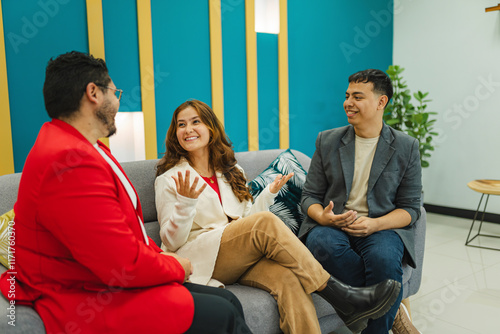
(66, 79)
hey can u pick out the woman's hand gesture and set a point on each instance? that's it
(184, 188)
(279, 182)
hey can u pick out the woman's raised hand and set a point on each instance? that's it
(184, 188)
(279, 182)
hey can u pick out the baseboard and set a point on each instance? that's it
(468, 214)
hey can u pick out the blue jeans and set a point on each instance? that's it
(361, 262)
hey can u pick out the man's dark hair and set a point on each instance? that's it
(66, 79)
(381, 82)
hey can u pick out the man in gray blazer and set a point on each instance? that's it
(362, 193)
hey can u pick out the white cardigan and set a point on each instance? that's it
(193, 227)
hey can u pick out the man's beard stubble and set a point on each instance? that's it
(106, 115)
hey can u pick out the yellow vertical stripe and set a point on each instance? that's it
(283, 76)
(6, 150)
(252, 88)
(95, 29)
(146, 65)
(216, 58)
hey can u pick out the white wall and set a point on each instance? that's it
(452, 50)
(128, 144)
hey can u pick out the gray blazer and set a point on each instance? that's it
(395, 178)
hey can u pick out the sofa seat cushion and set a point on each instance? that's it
(153, 231)
(262, 315)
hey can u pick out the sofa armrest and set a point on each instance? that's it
(419, 235)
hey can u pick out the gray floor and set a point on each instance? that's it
(460, 291)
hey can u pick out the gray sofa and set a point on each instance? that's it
(260, 308)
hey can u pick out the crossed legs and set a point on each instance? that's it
(257, 250)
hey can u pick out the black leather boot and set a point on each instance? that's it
(356, 305)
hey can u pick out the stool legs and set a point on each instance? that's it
(474, 220)
(469, 239)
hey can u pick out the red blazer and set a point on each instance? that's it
(80, 256)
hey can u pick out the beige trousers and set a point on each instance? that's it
(261, 251)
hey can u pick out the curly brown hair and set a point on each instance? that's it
(222, 157)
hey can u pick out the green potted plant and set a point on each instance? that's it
(402, 115)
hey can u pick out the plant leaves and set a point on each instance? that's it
(393, 121)
(402, 115)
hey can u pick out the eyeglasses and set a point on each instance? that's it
(118, 92)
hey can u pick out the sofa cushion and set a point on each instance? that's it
(142, 174)
(153, 231)
(259, 307)
(254, 162)
(287, 203)
(262, 314)
(9, 185)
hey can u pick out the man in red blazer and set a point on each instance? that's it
(84, 260)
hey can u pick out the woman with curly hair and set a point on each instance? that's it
(213, 222)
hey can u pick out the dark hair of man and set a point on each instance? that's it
(66, 79)
(381, 82)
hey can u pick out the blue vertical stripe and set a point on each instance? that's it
(235, 75)
(34, 33)
(268, 90)
(122, 50)
(181, 52)
(328, 41)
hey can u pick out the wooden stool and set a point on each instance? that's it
(485, 187)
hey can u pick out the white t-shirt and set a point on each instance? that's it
(363, 158)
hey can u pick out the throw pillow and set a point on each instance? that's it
(287, 203)
(5, 225)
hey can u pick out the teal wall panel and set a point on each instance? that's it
(235, 75)
(121, 47)
(181, 52)
(34, 32)
(267, 72)
(328, 41)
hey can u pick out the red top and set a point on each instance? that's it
(212, 181)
